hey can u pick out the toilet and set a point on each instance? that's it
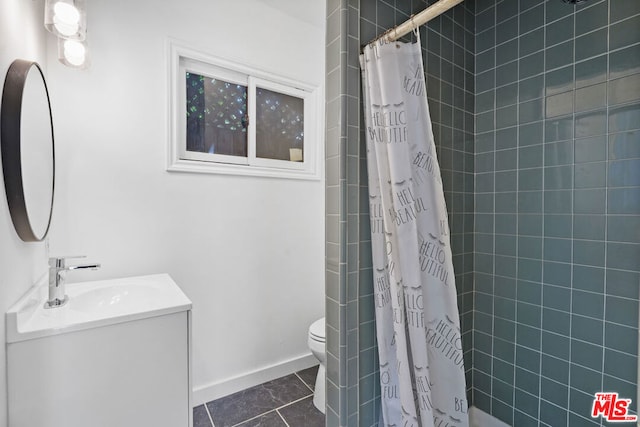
(317, 346)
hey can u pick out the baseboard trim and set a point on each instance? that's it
(231, 385)
(479, 418)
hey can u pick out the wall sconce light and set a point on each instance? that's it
(73, 53)
(67, 19)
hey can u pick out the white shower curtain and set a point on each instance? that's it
(418, 329)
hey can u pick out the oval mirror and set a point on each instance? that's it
(26, 139)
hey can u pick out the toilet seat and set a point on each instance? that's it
(317, 330)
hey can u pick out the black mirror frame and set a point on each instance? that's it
(10, 140)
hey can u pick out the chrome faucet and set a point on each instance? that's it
(57, 272)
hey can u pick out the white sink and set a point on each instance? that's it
(119, 344)
(116, 298)
(94, 304)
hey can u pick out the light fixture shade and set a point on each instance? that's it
(73, 53)
(66, 18)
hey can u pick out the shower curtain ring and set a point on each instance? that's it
(416, 31)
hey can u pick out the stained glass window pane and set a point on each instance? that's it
(279, 126)
(216, 116)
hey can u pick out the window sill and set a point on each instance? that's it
(194, 166)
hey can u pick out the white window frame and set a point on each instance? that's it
(187, 65)
(183, 59)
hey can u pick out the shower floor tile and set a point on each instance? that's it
(286, 401)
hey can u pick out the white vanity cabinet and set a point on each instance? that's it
(127, 367)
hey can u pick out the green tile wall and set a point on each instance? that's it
(342, 217)
(352, 377)
(536, 111)
(557, 207)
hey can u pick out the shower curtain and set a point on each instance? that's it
(418, 330)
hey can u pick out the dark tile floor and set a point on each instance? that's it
(283, 402)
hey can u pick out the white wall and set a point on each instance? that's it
(21, 264)
(249, 252)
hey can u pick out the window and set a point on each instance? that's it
(216, 114)
(228, 118)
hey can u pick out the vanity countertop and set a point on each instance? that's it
(94, 304)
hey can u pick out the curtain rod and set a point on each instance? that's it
(415, 21)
